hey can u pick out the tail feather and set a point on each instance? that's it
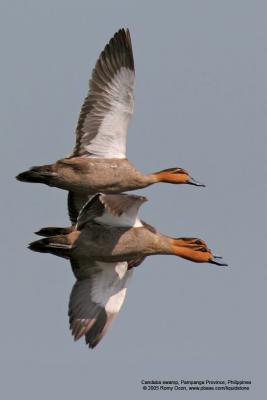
(57, 245)
(54, 231)
(43, 174)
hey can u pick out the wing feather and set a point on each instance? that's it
(112, 209)
(76, 201)
(96, 299)
(103, 122)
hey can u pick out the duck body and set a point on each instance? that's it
(88, 175)
(103, 243)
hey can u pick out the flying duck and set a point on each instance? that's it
(109, 240)
(98, 162)
(108, 229)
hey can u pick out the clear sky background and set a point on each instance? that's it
(200, 103)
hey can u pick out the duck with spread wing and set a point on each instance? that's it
(98, 162)
(109, 240)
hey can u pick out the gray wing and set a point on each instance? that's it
(103, 122)
(112, 209)
(76, 201)
(96, 299)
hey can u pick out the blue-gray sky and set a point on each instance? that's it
(200, 103)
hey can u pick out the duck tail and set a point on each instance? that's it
(57, 245)
(42, 174)
(54, 231)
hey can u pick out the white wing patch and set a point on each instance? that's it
(128, 218)
(109, 285)
(123, 220)
(110, 141)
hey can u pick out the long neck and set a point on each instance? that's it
(170, 175)
(143, 180)
(192, 249)
(155, 177)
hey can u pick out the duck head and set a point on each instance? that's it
(196, 250)
(176, 176)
